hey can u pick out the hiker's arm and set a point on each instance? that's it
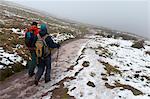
(51, 43)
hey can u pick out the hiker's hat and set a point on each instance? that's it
(34, 23)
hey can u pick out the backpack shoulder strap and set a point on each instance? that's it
(39, 37)
(45, 38)
(42, 38)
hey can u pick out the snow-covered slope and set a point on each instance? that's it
(113, 71)
(107, 68)
(13, 23)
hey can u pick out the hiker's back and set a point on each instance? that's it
(30, 37)
(44, 43)
(42, 50)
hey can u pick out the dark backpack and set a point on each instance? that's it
(30, 39)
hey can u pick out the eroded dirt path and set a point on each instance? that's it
(20, 86)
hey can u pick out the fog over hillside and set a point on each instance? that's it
(99, 61)
(124, 15)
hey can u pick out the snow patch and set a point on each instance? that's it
(60, 37)
(18, 31)
(7, 59)
(128, 60)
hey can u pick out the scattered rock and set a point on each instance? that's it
(138, 71)
(129, 77)
(103, 74)
(125, 70)
(128, 65)
(142, 79)
(138, 44)
(147, 52)
(147, 67)
(127, 80)
(136, 75)
(86, 64)
(91, 84)
(105, 79)
(92, 74)
(109, 36)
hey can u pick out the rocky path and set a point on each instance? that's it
(20, 86)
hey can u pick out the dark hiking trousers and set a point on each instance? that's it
(46, 62)
(33, 63)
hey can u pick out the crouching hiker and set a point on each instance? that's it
(44, 44)
(30, 39)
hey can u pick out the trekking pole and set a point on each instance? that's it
(57, 57)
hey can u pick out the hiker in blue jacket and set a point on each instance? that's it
(45, 61)
(30, 38)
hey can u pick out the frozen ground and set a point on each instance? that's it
(91, 68)
(114, 70)
(111, 69)
(25, 85)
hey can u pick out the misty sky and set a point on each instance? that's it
(126, 15)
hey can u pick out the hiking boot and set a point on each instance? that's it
(36, 82)
(31, 75)
(46, 81)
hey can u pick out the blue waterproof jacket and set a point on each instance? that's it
(50, 43)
